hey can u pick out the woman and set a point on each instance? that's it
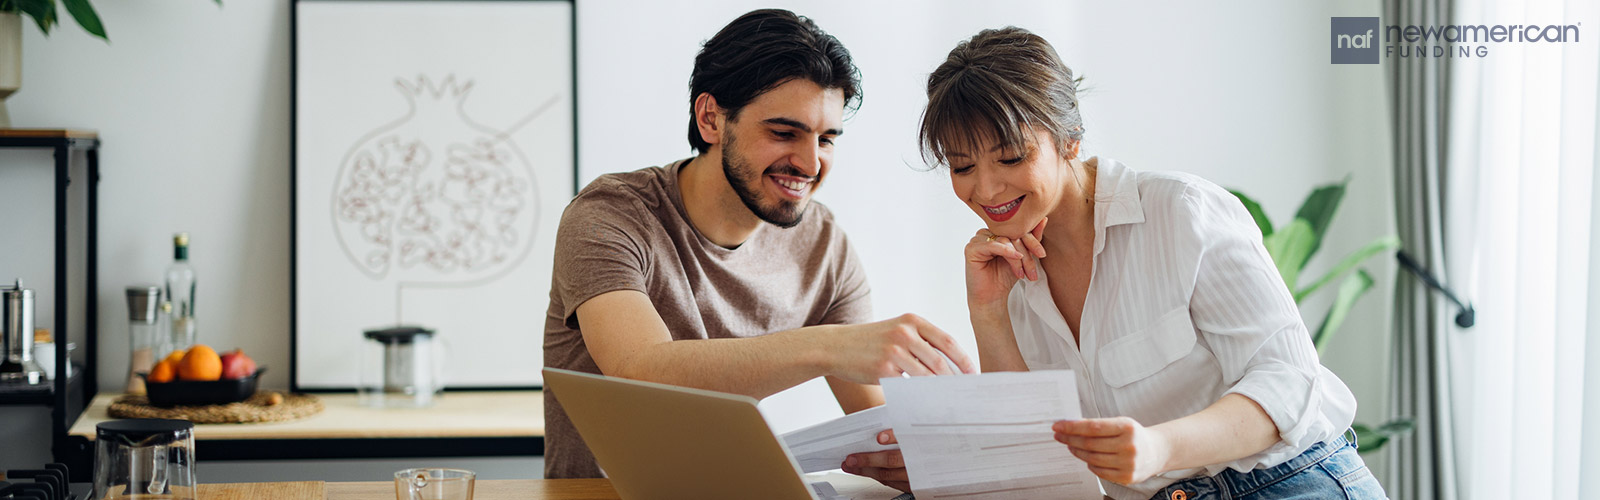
(1197, 377)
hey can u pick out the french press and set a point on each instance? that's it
(16, 332)
(401, 367)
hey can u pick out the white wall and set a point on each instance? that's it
(192, 102)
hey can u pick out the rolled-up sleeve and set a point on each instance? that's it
(1246, 314)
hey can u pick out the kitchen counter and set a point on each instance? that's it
(487, 423)
(454, 414)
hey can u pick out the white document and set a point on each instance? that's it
(988, 436)
(824, 446)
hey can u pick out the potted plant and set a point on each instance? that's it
(1292, 246)
(43, 13)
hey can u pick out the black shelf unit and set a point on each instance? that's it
(67, 395)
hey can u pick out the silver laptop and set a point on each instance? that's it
(658, 441)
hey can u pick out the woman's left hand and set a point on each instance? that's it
(1117, 449)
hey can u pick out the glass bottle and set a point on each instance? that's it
(175, 342)
(181, 293)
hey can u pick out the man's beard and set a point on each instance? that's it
(745, 182)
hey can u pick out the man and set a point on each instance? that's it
(718, 272)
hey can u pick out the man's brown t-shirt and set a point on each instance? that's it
(630, 231)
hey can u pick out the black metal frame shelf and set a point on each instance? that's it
(67, 396)
(42, 394)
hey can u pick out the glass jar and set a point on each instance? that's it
(145, 459)
(145, 340)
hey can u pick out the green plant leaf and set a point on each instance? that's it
(1350, 290)
(1397, 427)
(1318, 209)
(1372, 439)
(84, 14)
(43, 13)
(1255, 212)
(1383, 244)
(1289, 248)
(1368, 442)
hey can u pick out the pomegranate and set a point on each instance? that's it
(435, 197)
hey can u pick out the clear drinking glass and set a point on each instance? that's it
(144, 459)
(433, 484)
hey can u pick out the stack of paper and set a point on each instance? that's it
(824, 446)
(982, 437)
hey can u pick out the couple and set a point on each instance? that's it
(717, 272)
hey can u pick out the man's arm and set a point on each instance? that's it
(855, 397)
(627, 338)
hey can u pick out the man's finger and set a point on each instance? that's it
(890, 459)
(909, 364)
(903, 486)
(930, 357)
(887, 437)
(945, 344)
(883, 475)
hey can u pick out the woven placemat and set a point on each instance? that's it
(259, 408)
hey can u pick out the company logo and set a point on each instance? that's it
(1354, 40)
(1358, 40)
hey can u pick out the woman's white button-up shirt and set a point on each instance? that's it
(1184, 306)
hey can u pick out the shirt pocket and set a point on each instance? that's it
(1146, 352)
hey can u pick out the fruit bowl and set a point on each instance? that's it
(211, 392)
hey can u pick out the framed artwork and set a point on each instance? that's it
(433, 150)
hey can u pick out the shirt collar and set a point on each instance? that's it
(1116, 202)
(1116, 198)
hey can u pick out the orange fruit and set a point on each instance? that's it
(200, 364)
(163, 372)
(176, 356)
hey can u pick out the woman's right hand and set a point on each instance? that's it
(995, 263)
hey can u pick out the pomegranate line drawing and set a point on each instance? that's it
(435, 198)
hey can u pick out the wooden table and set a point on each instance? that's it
(512, 489)
(520, 489)
(488, 423)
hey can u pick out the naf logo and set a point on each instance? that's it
(1354, 40)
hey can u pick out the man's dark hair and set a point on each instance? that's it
(761, 50)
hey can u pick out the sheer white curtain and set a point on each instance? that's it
(1523, 157)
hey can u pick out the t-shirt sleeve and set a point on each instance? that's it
(852, 298)
(601, 247)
